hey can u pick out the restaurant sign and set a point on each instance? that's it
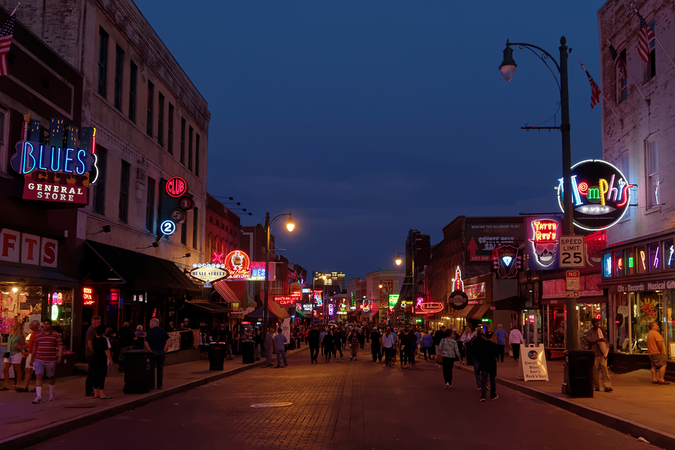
(58, 171)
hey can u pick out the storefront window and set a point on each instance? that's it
(532, 327)
(669, 322)
(655, 257)
(668, 254)
(555, 326)
(622, 322)
(645, 310)
(630, 261)
(618, 261)
(588, 312)
(607, 265)
(643, 263)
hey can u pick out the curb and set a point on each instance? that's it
(41, 434)
(654, 436)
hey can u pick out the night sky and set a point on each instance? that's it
(367, 118)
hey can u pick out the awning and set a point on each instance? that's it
(355, 313)
(106, 264)
(478, 311)
(211, 307)
(35, 276)
(275, 311)
(515, 303)
(300, 314)
(226, 292)
(462, 313)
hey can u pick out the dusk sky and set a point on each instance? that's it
(368, 118)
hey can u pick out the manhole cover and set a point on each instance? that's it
(271, 405)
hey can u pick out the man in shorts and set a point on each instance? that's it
(28, 372)
(657, 354)
(47, 351)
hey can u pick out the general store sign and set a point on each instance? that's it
(27, 248)
(60, 170)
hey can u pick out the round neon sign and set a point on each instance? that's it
(600, 195)
(176, 186)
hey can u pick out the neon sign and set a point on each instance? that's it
(331, 309)
(506, 261)
(176, 187)
(238, 264)
(288, 299)
(208, 273)
(457, 282)
(600, 194)
(458, 299)
(87, 296)
(393, 299)
(365, 305)
(543, 235)
(429, 308)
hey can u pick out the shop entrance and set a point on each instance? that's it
(532, 326)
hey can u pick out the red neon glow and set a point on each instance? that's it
(429, 308)
(625, 196)
(288, 299)
(115, 296)
(457, 282)
(218, 258)
(176, 186)
(545, 230)
(154, 312)
(619, 263)
(93, 143)
(88, 303)
(238, 264)
(583, 188)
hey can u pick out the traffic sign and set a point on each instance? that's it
(572, 294)
(572, 280)
(572, 252)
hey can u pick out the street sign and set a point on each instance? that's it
(572, 280)
(572, 252)
(572, 294)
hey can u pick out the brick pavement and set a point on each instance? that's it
(345, 405)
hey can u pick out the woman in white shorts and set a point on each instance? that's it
(15, 342)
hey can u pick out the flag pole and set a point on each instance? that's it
(17, 7)
(637, 85)
(632, 5)
(603, 95)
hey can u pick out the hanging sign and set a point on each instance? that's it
(506, 261)
(600, 194)
(393, 299)
(208, 273)
(458, 299)
(238, 265)
(542, 249)
(429, 307)
(286, 300)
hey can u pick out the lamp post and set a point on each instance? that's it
(413, 289)
(508, 69)
(268, 223)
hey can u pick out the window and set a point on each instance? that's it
(119, 75)
(150, 206)
(195, 228)
(99, 187)
(160, 121)
(124, 192)
(169, 141)
(150, 103)
(183, 232)
(197, 155)
(653, 183)
(622, 82)
(182, 141)
(190, 149)
(133, 74)
(624, 168)
(650, 65)
(102, 61)
(3, 140)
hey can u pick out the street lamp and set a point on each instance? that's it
(268, 223)
(508, 69)
(413, 289)
(398, 259)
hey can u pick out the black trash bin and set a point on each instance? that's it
(247, 351)
(138, 371)
(579, 373)
(216, 355)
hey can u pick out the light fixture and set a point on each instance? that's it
(14, 290)
(508, 66)
(290, 225)
(398, 259)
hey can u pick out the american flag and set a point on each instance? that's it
(595, 90)
(619, 62)
(6, 34)
(645, 35)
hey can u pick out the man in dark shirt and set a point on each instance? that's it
(157, 341)
(89, 354)
(313, 340)
(486, 352)
(375, 347)
(126, 340)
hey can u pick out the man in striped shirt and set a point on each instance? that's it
(47, 351)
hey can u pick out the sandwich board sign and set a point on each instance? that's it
(532, 365)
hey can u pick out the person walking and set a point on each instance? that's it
(314, 342)
(279, 341)
(427, 342)
(361, 337)
(472, 353)
(269, 346)
(657, 354)
(322, 335)
(338, 340)
(375, 345)
(501, 336)
(15, 344)
(328, 345)
(485, 351)
(465, 339)
(450, 352)
(597, 341)
(409, 347)
(418, 339)
(515, 340)
(34, 326)
(89, 354)
(354, 344)
(101, 361)
(439, 335)
(387, 342)
(157, 341)
(47, 352)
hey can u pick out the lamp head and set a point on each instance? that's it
(508, 66)
(398, 259)
(290, 225)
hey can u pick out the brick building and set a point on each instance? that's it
(223, 229)
(151, 125)
(638, 134)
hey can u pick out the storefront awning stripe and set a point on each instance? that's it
(213, 308)
(226, 292)
(478, 311)
(33, 276)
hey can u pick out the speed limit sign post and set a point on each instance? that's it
(572, 252)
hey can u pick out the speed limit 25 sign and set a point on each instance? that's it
(572, 252)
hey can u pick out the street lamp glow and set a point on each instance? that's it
(508, 65)
(290, 225)
(398, 259)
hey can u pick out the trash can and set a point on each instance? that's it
(138, 374)
(578, 380)
(216, 355)
(247, 351)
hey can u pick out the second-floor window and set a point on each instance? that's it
(119, 75)
(150, 206)
(195, 229)
(190, 148)
(151, 105)
(102, 62)
(653, 182)
(133, 74)
(160, 121)
(169, 140)
(124, 192)
(99, 187)
(197, 155)
(182, 141)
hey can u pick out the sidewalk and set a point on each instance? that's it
(23, 424)
(636, 406)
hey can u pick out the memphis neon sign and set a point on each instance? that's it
(600, 194)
